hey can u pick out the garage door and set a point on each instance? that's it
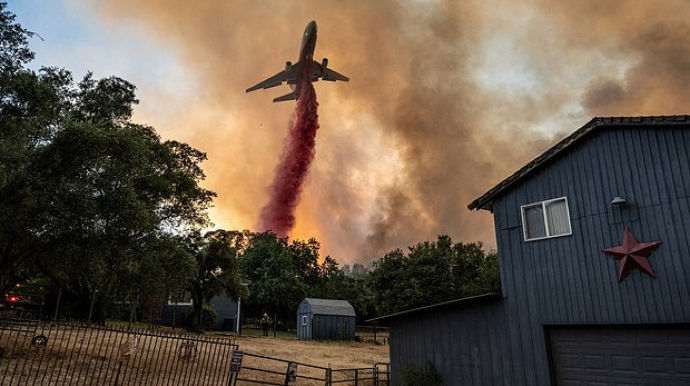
(621, 356)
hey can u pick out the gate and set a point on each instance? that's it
(78, 354)
(250, 369)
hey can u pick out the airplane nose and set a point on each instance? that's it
(312, 25)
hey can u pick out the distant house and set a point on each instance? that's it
(174, 313)
(325, 319)
(594, 246)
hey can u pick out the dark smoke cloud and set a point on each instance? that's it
(446, 99)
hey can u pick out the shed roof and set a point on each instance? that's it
(331, 307)
(599, 123)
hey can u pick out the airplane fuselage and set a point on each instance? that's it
(305, 69)
(306, 50)
(306, 55)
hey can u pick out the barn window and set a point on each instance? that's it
(304, 320)
(545, 219)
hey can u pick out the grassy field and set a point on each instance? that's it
(335, 354)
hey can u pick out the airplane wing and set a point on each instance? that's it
(325, 73)
(274, 81)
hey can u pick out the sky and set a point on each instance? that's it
(446, 99)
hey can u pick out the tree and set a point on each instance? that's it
(332, 283)
(430, 273)
(217, 269)
(88, 198)
(275, 284)
(305, 258)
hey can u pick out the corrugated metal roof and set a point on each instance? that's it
(331, 307)
(486, 200)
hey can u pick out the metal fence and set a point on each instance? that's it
(251, 369)
(78, 354)
(36, 353)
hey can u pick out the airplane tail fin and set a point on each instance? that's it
(287, 97)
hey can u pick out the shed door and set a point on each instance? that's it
(621, 355)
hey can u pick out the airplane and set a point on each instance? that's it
(305, 66)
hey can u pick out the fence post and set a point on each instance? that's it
(356, 377)
(291, 374)
(328, 376)
(235, 366)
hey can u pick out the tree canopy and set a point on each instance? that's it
(432, 272)
(88, 198)
(216, 255)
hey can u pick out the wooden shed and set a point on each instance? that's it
(325, 319)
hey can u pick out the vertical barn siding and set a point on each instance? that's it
(568, 280)
(465, 342)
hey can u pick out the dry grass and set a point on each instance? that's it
(88, 356)
(335, 354)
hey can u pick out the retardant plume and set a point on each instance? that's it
(446, 99)
(278, 215)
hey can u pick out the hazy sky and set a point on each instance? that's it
(447, 98)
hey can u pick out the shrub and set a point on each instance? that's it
(421, 375)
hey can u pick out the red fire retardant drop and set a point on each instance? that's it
(278, 215)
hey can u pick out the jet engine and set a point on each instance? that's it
(290, 72)
(324, 63)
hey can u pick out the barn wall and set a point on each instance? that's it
(464, 342)
(569, 280)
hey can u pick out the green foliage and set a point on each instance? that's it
(430, 273)
(14, 42)
(209, 315)
(89, 199)
(282, 274)
(275, 273)
(333, 284)
(217, 270)
(420, 375)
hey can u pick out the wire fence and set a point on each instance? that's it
(37, 354)
(372, 334)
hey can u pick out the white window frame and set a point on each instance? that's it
(304, 320)
(543, 205)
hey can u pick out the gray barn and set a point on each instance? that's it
(594, 247)
(325, 319)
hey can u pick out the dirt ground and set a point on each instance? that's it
(94, 356)
(345, 355)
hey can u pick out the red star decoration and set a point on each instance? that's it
(632, 254)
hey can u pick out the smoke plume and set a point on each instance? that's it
(278, 215)
(446, 99)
